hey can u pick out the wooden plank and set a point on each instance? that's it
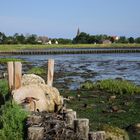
(17, 74)
(10, 75)
(50, 72)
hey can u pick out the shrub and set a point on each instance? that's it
(12, 122)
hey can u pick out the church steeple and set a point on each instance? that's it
(78, 32)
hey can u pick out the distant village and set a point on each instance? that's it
(80, 38)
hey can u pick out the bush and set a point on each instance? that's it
(119, 87)
(12, 122)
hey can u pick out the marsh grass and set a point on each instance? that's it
(5, 60)
(117, 87)
(28, 46)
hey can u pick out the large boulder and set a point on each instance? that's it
(28, 79)
(35, 95)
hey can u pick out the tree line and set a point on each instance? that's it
(82, 38)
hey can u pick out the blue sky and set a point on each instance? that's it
(61, 18)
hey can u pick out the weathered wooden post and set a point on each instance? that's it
(50, 72)
(70, 116)
(35, 133)
(17, 74)
(10, 75)
(81, 127)
(99, 135)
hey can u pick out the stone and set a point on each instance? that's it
(53, 94)
(32, 91)
(42, 98)
(28, 79)
(35, 133)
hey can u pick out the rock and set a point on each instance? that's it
(35, 95)
(53, 94)
(35, 133)
(28, 79)
(31, 91)
(38, 98)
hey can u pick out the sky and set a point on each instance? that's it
(61, 18)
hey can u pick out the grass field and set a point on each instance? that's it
(22, 47)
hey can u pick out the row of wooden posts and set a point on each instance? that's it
(15, 74)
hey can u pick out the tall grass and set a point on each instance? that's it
(4, 87)
(119, 87)
(12, 117)
(12, 122)
(5, 60)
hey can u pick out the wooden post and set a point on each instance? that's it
(10, 75)
(70, 117)
(81, 127)
(50, 72)
(17, 74)
(35, 133)
(99, 135)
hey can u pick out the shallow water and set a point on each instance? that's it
(90, 66)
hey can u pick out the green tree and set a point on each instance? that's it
(137, 40)
(91, 39)
(131, 40)
(123, 39)
(31, 39)
(82, 38)
(64, 41)
(2, 38)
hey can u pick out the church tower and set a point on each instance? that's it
(78, 32)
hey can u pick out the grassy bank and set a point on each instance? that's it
(22, 47)
(109, 102)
